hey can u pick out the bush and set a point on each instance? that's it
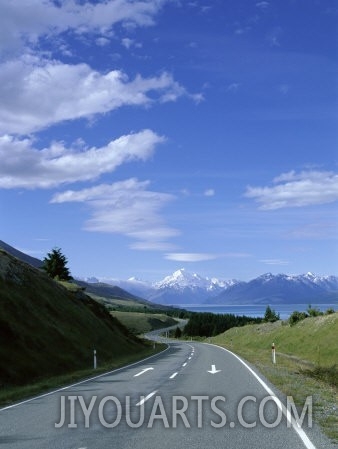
(314, 311)
(296, 316)
(330, 311)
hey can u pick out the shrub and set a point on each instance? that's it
(330, 311)
(296, 316)
(314, 311)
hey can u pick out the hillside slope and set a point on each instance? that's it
(313, 339)
(45, 330)
(37, 263)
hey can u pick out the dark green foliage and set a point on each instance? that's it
(55, 265)
(296, 316)
(47, 330)
(329, 311)
(210, 324)
(270, 315)
(178, 332)
(314, 311)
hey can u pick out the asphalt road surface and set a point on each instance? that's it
(192, 395)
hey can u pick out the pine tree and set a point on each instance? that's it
(55, 264)
(270, 315)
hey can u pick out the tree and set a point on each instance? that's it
(178, 332)
(55, 264)
(270, 315)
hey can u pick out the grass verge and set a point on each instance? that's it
(9, 395)
(306, 356)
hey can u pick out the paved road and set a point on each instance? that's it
(193, 395)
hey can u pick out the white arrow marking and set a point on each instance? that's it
(214, 370)
(143, 371)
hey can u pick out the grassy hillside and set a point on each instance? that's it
(47, 330)
(21, 256)
(139, 323)
(306, 356)
(312, 340)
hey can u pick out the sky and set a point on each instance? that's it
(145, 136)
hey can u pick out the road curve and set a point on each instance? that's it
(192, 395)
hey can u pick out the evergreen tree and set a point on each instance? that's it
(178, 332)
(270, 315)
(55, 264)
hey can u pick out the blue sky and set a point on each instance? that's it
(145, 136)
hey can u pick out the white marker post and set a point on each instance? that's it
(273, 353)
(95, 364)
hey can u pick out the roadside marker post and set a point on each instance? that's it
(95, 363)
(273, 353)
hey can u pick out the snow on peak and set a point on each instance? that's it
(181, 279)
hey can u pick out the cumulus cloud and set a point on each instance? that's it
(191, 257)
(36, 94)
(127, 208)
(25, 166)
(23, 22)
(297, 190)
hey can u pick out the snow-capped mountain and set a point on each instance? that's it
(183, 279)
(183, 288)
(281, 288)
(133, 285)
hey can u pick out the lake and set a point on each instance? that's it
(257, 310)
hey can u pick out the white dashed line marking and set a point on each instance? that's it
(173, 375)
(146, 398)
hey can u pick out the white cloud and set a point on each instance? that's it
(318, 231)
(102, 41)
(191, 257)
(24, 22)
(36, 94)
(263, 5)
(127, 42)
(209, 192)
(297, 190)
(127, 208)
(233, 87)
(275, 262)
(22, 165)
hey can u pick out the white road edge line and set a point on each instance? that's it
(83, 381)
(146, 398)
(173, 375)
(302, 435)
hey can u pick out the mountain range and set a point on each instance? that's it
(185, 288)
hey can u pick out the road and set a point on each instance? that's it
(192, 395)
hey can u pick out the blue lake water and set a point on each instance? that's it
(258, 310)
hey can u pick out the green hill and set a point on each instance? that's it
(306, 361)
(47, 330)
